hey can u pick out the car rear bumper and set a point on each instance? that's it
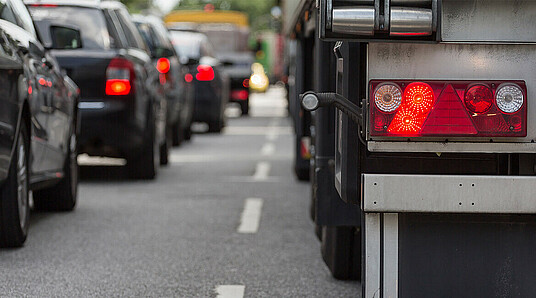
(110, 128)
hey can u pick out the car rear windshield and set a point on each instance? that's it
(187, 44)
(89, 21)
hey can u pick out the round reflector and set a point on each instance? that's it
(419, 97)
(478, 99)
(509, 98)
(388, 97)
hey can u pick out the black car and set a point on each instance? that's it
(179, 94)
(210, 83)
(38, 117)
(122, 105)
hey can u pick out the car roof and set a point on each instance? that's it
(82, 3)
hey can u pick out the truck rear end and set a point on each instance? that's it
(439, 127)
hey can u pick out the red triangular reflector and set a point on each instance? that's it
(448, 116)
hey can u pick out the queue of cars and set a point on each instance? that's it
(83, 76)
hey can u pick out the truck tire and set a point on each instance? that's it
(14, 201)
(62, 196)
(341, 251)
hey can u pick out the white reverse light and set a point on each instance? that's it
(388, 97)
(509, 98)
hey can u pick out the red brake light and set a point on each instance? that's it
(478, 99)
(204, 73)
(163, 65)
(117, 87)
(239, 94)
(44, 5)
(245, 83)
(449, 108)
(188, 78)
(119, 77)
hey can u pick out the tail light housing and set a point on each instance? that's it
(119, 77)
(204, 73)
(448, 109)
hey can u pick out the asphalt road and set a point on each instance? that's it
(227, 211)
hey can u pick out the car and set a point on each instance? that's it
(210, 83)
(122, 106)
(179, 94)
(38, 123)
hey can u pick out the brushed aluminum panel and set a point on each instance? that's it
(496, 21)
(449, 194)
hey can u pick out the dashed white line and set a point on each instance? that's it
(261, 171)
(268, 149)
(230, 291)
(251, 216)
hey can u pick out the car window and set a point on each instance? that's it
(133, 37)
(6, 13)
(147, 34)
(186, 44)
(23, 16)
(90, 21)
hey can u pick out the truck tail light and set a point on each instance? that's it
(448, 108)
(388, 97)
(119, 77)
(204, 73)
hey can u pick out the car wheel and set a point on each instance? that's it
(145, 165)
(14, 204)
(177, 134)
(62, 196)
(165, 148)
(244, 106)
(187, 132)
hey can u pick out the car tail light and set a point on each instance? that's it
(239, 94)
(204, 73)
(163, 65)
(119, 77)
(245, 83)
(448, 108)
(44, 5)
(188, 78)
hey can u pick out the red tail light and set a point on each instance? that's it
(163, 65)
(44, 5)
(117, 87)
(245, 83)
(119, 77)
(204, 73)
(188, 78)
(239, 94)
(448, 108)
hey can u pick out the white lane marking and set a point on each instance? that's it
(251, 216)
(86, 160)
(268, 149)
(230, 291)
(261, 171)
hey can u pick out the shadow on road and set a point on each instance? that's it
(104, 173)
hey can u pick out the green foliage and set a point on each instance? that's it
(258, 11)
(137, 5)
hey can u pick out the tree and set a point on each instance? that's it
(138, 5)
(258, 11)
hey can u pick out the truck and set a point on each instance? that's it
(434, 143)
